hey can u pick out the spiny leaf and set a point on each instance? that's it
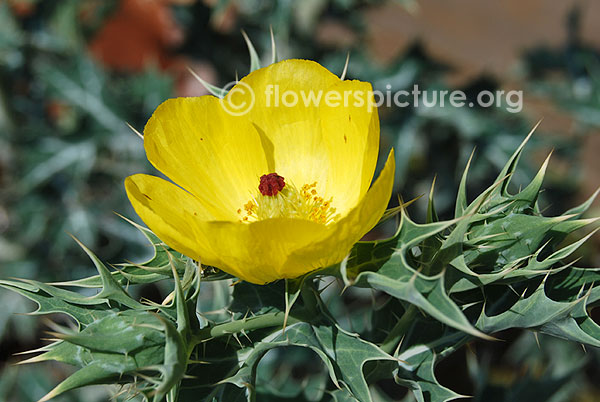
(428, 294)
(89, 375)
(392, 274)
(511, 165)
(111, 290)
(372, 255)
(421, 379)
(155, 269)
(344, 355)
(528, 266)
(578, 211)
(533, 309)
(174, 363)
(49, 303)
(122, 332)
(105, 368)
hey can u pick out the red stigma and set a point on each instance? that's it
(271, 184)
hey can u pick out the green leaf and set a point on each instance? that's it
(113, 349)
(122, 332)
(48, 301)
(421, 378)
(388, 270)
(157, 268)
(111, 290)
(344, 355)
(174, 364)
(533, 309)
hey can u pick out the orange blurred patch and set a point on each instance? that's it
(138, 33)
(22, 8)
(56, 109)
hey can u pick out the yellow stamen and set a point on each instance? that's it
(291, 203)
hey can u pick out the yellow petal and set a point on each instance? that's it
(350, 229)
(259, 252)
(351, 137)
(330, 135)
(170, 212)
(291, 134)
(215, 156)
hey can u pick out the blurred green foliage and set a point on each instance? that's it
(65, 148)
(569, 75)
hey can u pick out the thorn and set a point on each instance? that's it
(547, 160)
(471, 156)
(581, 291)
(399, 346)
(523, 294)
(343, 76)
(55, 327)
(129, 221)
(135, 131)
(170, 297)
(346, 286)
(537, 340)
(273, 47)
(243, 332)
(210, 88)
(530, 134)
(247, 39)
(196, 76)
(48, 396)
(237, 340)
(514, 291)
(546, 277)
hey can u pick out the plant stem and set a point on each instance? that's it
(310, 298)
(247, 324)
(391, 341)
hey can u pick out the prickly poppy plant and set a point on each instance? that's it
(258, 239)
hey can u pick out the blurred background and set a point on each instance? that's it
(72, 72)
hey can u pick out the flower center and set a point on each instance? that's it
(271, 184)
(278, 199)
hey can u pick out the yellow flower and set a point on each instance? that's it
(274, 193)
